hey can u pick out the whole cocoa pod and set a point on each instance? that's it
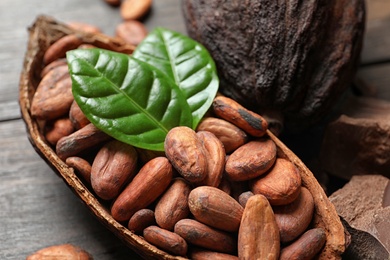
(291, 58)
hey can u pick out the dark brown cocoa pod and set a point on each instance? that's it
(293, 58)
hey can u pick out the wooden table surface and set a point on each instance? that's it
(36, 208)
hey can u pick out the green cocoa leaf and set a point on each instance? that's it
(127, 98)
(187, 62)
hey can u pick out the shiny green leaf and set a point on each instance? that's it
(127, 98)
(187, 62)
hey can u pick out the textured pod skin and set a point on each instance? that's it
(201, 235)
(281, 185)
(149, 183)
(251, 160)
(258, 237)
(186, 152)
(215, 208)
(294, 218)
(292, 57)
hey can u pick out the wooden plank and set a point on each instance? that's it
(39, 210)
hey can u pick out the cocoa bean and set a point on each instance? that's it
(141, 219)
(53, 96)
(243, 198)
(215, 208)
(281, 185)
(230, 135)
(243, 118)
(82, 166)
(251, 160)
(294, 218)
(166, 240)
(54, 131)
(215, 153)
(134, 9)
(258, 236)
(186, 152)
(202, 254)
(77, 117)
(80, 140)
(173, 205)
(59, 48)
(201, 235)
(131, 31)
(305, 247)
(52, 65)
(84, 27)
(64, 251)
(149, 183)
(114, 166)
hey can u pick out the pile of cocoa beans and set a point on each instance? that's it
(221, 191)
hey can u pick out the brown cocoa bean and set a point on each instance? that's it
(80, 140)
(52, 65)
(131, 31)
(59, 48)
(258, 236)
(82, 166)
(243, 118)
(215, 208)
(305, 247)
(53, 96)
(251, 160)
(243, 198)
(166, 240)
(186, 152)
(202, 254)
(147, 155)
(199, 234)
(61, 127)
(150, 182)
(113, 167)
(173, 204)
(281, 185)
(84, 27)
(141, 219)
(113, 2)
(215, 153)
(64, 251)
(225, 186)
(134, 9)
(294, 218)
(230, 135)
(77, 117)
